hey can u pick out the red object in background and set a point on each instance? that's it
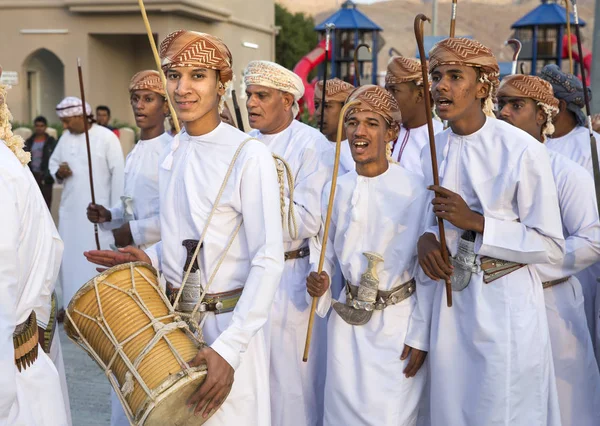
(587, 56)
(303, 68)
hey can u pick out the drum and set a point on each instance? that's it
(124, 321)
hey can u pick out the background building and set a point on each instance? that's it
(42, 39)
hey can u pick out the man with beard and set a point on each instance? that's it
(272, 102)
(490, 357)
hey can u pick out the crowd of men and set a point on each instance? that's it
(519, 346)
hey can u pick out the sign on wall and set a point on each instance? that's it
(9, 77)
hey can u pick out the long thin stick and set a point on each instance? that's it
(517, 46)
(328, 28)
(87, 144)
(452, 19)
(586, 97)
(238, 112)
(419, 21)
(336, 165)
(157, 60)
(356, 66)
(569, 46)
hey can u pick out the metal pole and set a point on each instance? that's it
(595, 76)
(434, 15)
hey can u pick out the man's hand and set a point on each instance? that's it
(218, 383)
(123, 236)
(417, 358)
(98, 214)
(450, 206)
(111, 258)
(64, 171)
(317, 284)
(430, 258)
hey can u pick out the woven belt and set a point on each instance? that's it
(384, 298)
(25, 341)
(497, 268)
(297, 254)
(219, 303)
(552, 283)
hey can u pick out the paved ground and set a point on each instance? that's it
(89, 391)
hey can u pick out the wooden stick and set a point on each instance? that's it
(356, 66)
(336, 165)
(328, 28)
(517, 46)
(157, 60)
(87, 144)
(238, 112)
(569, 47)
(419, 21)
(586, 97)
(452, 19)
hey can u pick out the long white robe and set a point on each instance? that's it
(577, 375)
(576, 146)
(365, 384)
(141, 187)
(57, 358)
(490, 356)
(74, 227)
(189, 180)
(30, 253)
(410, 143)
(296, 386)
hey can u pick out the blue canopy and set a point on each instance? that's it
(546, 14)
(349, 18)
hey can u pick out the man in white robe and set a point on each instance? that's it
(377, 217)
(30, 249)
(272, 102)
(191, 175)
(69, 164)
(404, 81)
(528, 103)
(135, 218)
(490, 357)
(336, 93)
(572, 139)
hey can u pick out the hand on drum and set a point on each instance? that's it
(217, 385)
(111, 258)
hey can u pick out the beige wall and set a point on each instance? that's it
(113, 47)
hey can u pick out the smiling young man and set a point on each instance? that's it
(375, 224)
(528, 103)
(69, 165)
(198, 68)
(272, 102)
(490, 357)
(135, 219)
(404, 81)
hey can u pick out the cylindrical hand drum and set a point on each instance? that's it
(123, 320)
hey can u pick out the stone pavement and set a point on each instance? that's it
(89, 391)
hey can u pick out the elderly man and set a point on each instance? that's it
(490, 357)
(404, 81)
(376, 221)
(572, 139)
(135, 219)
(30, 249)
(528, 103)
(69, 164)
(216, 181)
(272, 102)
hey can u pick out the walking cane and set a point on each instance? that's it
(238, 112)
(328, 28)
(356, 67)
(419, 21)
(516, 45)
(452, 19)
(336, 165)
(87, 144)
(157, 60)
(586, 97)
